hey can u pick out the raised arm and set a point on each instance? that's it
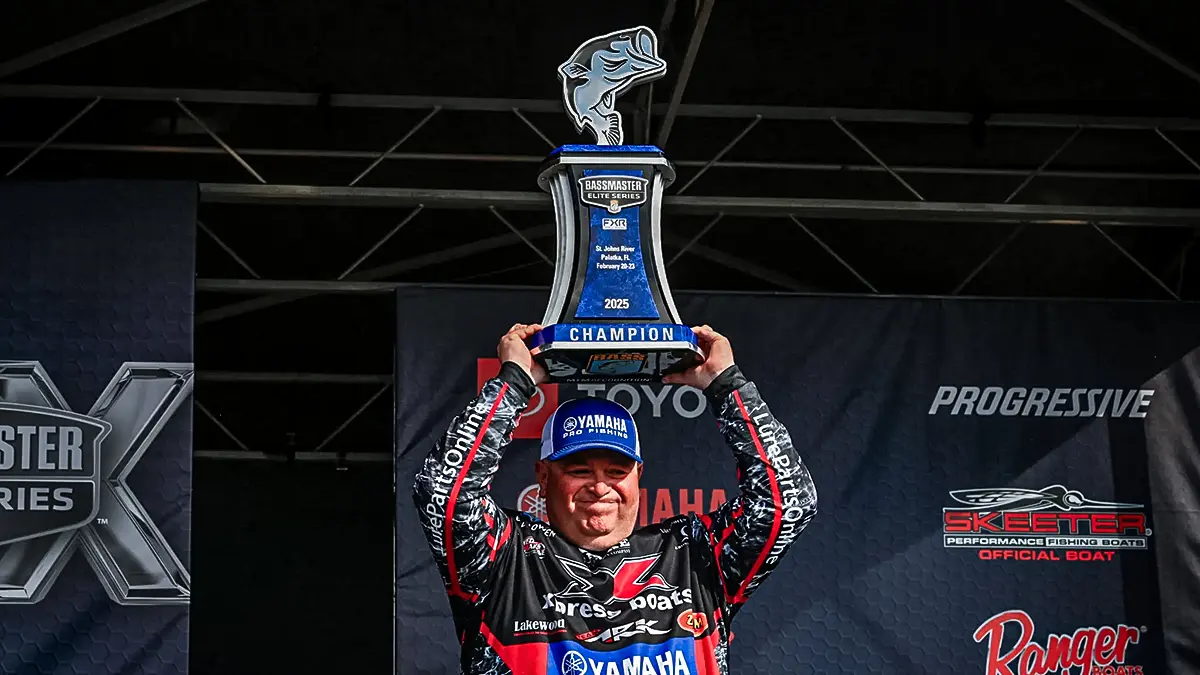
(463, 525)
(776, 496)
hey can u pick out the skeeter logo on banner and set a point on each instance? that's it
(1087, 651)
(1053, 523)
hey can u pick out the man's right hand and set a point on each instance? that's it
(512, 348)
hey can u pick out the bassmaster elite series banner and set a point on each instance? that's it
(1006, 488)
(96, 290)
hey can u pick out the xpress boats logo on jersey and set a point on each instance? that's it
(63, 483)
(608, 593)
(1053, 523)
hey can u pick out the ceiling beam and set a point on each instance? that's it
(547, 106)
(1128, 35)
(359, 282)
(240, 377)
(493, 158)
(685, 71)
(97, 34)
(852, 209)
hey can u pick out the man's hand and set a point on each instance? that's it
(512, 347)
(718, 356)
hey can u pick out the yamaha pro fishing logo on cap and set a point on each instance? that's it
(588, 424)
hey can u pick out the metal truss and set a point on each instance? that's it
(94, 35)
(715, 207)
(653, 122)
(319, 452)
(506, 105)
(763, 207)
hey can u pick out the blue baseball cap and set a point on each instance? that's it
(590, 424)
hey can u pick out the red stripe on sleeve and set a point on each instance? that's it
(503, 538)
(523, 659)
(455, 589)
(719, 544)
(776, 498)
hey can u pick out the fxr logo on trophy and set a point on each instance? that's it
(610, 316)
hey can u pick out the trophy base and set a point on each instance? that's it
(626, 352)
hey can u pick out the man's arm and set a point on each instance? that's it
(464, 526)
(777, 498)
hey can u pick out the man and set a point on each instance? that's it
(587, 594)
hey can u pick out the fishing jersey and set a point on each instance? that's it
(527, 601)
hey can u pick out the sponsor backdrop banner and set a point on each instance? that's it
(96, 289)
(1005, 487)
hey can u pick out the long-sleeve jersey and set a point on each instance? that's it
(525, 600)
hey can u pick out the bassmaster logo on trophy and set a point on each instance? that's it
(609, 275)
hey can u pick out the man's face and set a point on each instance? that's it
(591, 496)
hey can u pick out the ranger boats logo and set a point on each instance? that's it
(613, 193)
(1091, 650)
(1053, 523)
(63, 483)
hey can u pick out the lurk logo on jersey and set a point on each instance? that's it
(618, 633)
(1087, 651)
(1053, 523)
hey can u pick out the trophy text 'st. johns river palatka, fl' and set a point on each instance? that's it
(611, 316)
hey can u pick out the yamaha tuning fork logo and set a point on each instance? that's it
(63, 483)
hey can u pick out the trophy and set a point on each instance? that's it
(611, 316)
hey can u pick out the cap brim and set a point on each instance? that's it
(592, 445)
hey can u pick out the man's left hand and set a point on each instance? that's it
(718, 355)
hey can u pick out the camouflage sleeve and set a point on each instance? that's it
(750, 534)
(463, 525)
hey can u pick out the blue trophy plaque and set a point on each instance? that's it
(611, 316)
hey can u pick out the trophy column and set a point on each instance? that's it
(611, 315)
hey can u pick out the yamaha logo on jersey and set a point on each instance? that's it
(676, 656)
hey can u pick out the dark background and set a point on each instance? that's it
(964, 100)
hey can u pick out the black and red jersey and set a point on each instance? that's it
(526, 600)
